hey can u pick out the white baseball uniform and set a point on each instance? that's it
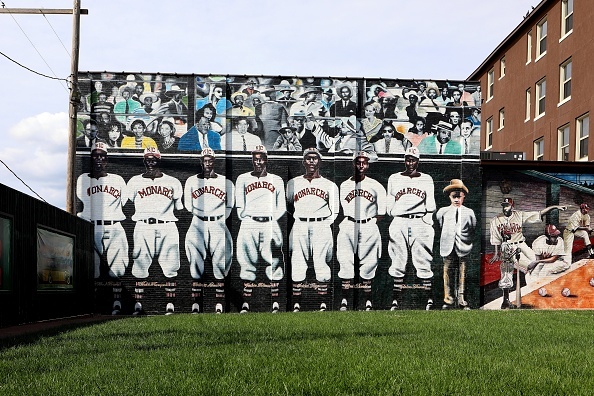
(514, 223)
(102, 200)
(361, 202)
(543, 250)
(260, 203)
(410, 201)
(316, 206)
(155, 232)
(575, 221)
(210, 201)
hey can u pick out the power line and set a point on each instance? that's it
(63, 46)
(21, 180)
(31, 70)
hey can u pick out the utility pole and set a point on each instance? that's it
(74, 93)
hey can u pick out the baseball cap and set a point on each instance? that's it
(101, 146)
(152, 151)
(507, 201)
(551, 230)
(259, 149)
(311, 150)
(358, 154)
(413, 152)
(208, 152)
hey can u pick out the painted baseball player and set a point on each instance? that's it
(314, 200)
(514, 220)
(410, 201)
(578, 225)
(509, 254)
(549, 251)
(363, 202)
(155, 195)
(103, 195)
(457, 223)
(260, 203)
(210, 198)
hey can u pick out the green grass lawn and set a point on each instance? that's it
(311, 353)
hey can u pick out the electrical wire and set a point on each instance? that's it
(31, 70)
(21, 180)
(63, 46)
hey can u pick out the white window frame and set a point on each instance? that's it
(565, 70)
(501, 118)
(563, 141)
(528, 105)
(540, 99)
(566, 16)
(489, 133)
(539, 149)
(579, 128)
(542, 28)
(529, 47)
(502, 68)
(490, 84)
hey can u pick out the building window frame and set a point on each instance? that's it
(489, 133)
(582, 135)
(502, 67)
(541, 38)
(490, 84)
(528, 105)
(566, 18)
(540, 99)
(529, 47)
(539, 149)
(565, 71)
(563, 136)
(501, 118)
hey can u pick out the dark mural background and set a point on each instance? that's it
(286, 115)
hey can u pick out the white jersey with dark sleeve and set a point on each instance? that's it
(514, 223)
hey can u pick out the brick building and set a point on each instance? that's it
(537, 83)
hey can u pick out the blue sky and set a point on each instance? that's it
(422, 39)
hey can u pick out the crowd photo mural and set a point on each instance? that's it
(537, 238)
(267, 194)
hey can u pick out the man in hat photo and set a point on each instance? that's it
(469, 140)
(578, 225)
(240, 138)
(327, 100)
(344, 107)
(363, 202)
(441, 142)
(350, 138)
(285, 92)
(314, 202)
(549, 251)
(411, 203)
(155, 196)
(270, 117)
(260, 203)
(175, 107)
(513, 220)
(309, 103)
(457, 223)
(239, 109)
(210, 197)
(287, 141)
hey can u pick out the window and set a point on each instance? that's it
(539, 149)
(489, 127)
(563, 143)
(529, 47)
(541, 89)
(502, 67)
(582, 133)
(541, 38)
(528, 100)
(501, 118)
(490, 82)
(566, 17)
(565, 81)
(5, 253)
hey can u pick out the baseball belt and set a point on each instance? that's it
(261, 219)
(152, 220)
(105, 222)
(312, 218)
(209, 218)
(412, 216)
(359, 221)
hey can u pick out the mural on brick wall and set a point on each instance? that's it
(537, 240)
(238, 194)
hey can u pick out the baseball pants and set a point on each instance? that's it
(256, 239)
(150, 240)
(311, 239)
(414, 235)
(568, 238)
(111, 240)
(362, 239)
(209, 237)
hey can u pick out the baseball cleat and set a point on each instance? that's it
(368, 306)
(169, 309)
(343, 304)
(219, 308)
(394, 306)
(195, 308)
(429, 305)
(296, 307)
(116, 308)
(446, 306)
(322, 307)
(275, 307)
(245, 308)
(137, 309)
(463, 304)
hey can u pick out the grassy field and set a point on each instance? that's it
(311, 353)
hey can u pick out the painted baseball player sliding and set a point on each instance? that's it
(102, 195)
(578, 225)
(457, 223)
(363, 202)
(155, 196)
(260, 203)
(210, 197)
(313, 201)
(411, 203)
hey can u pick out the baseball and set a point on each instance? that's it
(542, 292)
(592, 282)
(565, 292)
